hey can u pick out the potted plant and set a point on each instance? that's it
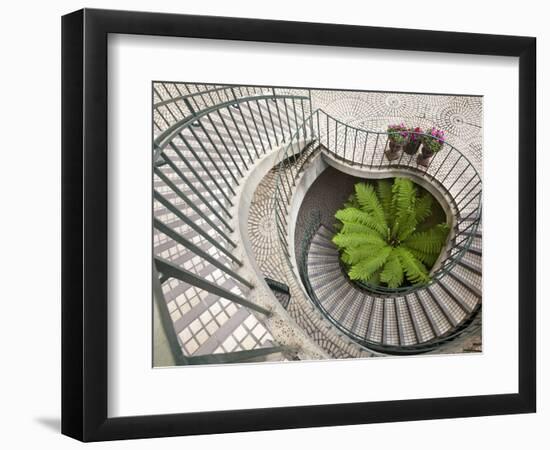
(415, 137)
(399, 137)
(432, 142)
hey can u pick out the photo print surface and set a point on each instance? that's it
(296, 224)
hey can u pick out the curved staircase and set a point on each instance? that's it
(208, 139)
(398, 324)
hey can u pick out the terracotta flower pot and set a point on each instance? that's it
(412, 147)
(427, 152)
(425, 156)
(395, 150)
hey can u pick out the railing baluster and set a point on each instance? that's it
(442, 164)
(186, 180)
(279, 117)
(232, 139)
(207, 153)
(345, 140)
(303, 118)
(374, 151)
(199, 230)
(222, 159)
(288, 121)
(249, 133)
(201, 163)
(329, 147)
(167, 268)
(263, 123)
(271, 120)
(296, 119)
(364, 148)
(194, 207)
(240, 135)
(256, 126)
(458, 178)
(229, 152)
(173, 234)
(450, 170)
(354, 145)
(383, 153)
(466, 196)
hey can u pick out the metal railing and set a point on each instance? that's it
(449, 170)
(207, 141)
(200, 157)
(311, 227)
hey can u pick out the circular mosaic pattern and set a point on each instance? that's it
(461, 123)
(349, 110)
(457, 119)
(395, 105)
(266, 226)
(393, 102)
(434, 100)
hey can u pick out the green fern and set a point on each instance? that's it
(384, 190)
(392, 274)
(358, 216)
(423, 207)
(378, 235)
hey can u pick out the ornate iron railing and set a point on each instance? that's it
(471, 324)
(207, 141)
(199, 159)
(449, 170)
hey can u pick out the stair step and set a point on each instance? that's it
(334, 299)
(343, 304)
(351, 302)
(361, 319)
(454, 310)
(468, 265)
(467, 284)
(407, 333)
(375, 328)
(390, 327)
(421, 324)
(437, 319)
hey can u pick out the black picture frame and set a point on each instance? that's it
(84, 224)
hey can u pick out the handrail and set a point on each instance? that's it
(211, 170)
(167, 135)
(215, 90)
(321, 124)
(189, 95)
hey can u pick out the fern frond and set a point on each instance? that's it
(428, 259)
(352, 240)
(403, 196)
(354, 215)
(375, 278)
(367, 198)
(406, 227)
(403, 204)
(429, 241)
(392, 272)
(355, 254)
(384, 190)
(365, 269)
(423, 207)
(351, 227)
(415, 271)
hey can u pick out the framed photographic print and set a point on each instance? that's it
(249, 202)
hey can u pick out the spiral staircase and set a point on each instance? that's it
(232, 166)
